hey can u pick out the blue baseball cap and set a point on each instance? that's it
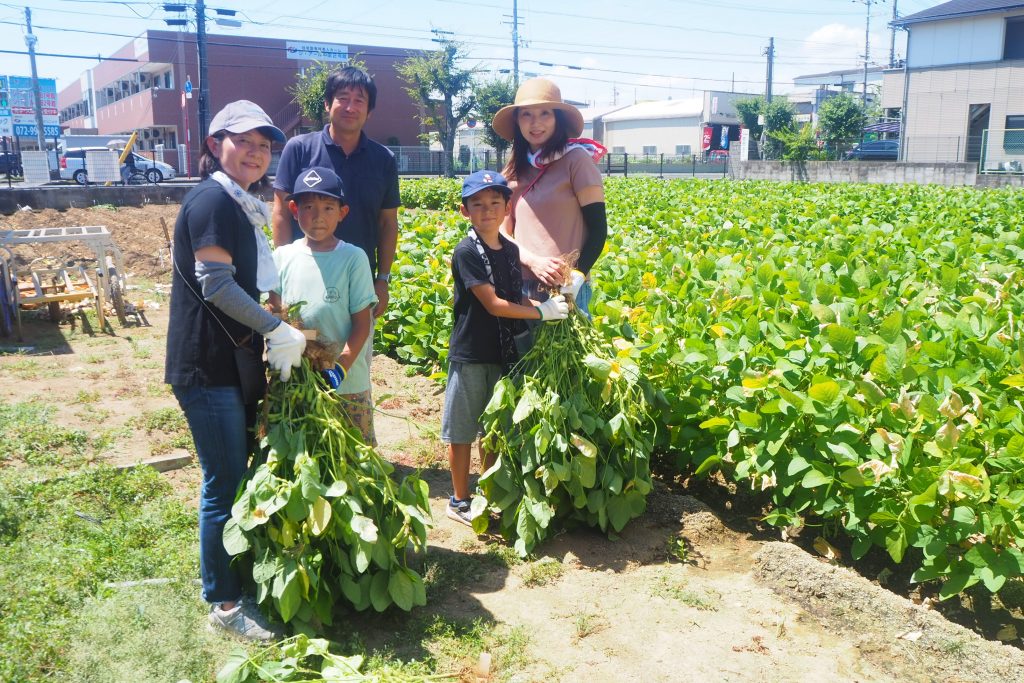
(318, 180)
(482, 180)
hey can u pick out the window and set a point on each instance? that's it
(650, 149)
(1013, 138)
(682, 150)
(618, 150)
(1013, 47)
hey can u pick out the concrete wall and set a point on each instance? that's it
(65, 197)
(872, 172)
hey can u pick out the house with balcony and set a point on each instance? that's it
(961, 89)
(141, 87)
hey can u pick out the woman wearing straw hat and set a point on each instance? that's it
(558, 198)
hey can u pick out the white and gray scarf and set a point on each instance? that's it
(259, 216)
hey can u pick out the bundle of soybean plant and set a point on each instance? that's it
(319, 516)
(573, 435)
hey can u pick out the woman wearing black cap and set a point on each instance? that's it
(221, 263)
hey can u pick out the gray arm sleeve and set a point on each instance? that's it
(220, 289)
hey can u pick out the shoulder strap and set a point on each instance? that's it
(483, 253)
(512, 211)
(174, 262)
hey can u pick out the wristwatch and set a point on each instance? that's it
(384, 277)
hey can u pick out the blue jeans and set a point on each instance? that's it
(531, 289)
(220, 427)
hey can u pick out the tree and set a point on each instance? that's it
(311, 86)
(444, 92)
(797, 145)
(490, 97)
(779, 116)
(748, 109)
(840, 118)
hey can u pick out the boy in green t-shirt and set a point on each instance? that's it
(333, 279)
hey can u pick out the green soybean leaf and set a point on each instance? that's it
(401, 589)
(891, 328)
(815, 478)
(824, 392)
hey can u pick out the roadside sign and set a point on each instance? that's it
(22, 106)
(6, 123)
(188, 88)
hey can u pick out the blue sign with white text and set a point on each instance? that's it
(26, 130)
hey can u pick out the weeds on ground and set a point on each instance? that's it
(60, 540)
(706, 600)
(503, 555)
(28, 436)
(23, 368)
(113, 636)
(544, 571)
(84, 397)
(435, 645)
(586, 623)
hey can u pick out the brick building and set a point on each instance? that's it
(146, 93)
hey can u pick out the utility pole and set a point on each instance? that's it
(30, 41)
(515, 44)
(204, 85)
(892, 36)
(770, 52)
(867, 51)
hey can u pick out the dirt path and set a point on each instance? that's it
(590, 609)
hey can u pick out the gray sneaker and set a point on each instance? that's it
(459, 510)
(245, 621)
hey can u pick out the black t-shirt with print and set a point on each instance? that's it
(475, 332)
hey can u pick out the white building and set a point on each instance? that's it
(675, 127)
(962, 89)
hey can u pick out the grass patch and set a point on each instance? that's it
(62, 539)
(114, 635)
(543, 572)
(586, 623)
(84, 397)
(29, 436)
(23, 368)
(503, 555)
(167, 420)
(445, 571)
(706, 600)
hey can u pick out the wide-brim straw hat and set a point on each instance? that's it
(536, 92)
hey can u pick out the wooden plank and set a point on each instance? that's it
(164, 463)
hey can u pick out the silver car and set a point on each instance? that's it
(72, 166)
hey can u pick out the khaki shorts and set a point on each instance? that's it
(359, 408)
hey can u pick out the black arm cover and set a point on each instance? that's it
(597, 233)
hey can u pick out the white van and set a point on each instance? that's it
(72, 166)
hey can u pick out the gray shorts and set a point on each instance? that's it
(470, 386)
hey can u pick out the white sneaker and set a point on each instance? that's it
(245, 621)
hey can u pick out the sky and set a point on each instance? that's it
(598, 52)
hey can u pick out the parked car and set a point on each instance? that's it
(72, 166)
(10, 162)
(876, 150)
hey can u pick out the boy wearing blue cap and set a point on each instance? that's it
(488, 310)
(333, 278)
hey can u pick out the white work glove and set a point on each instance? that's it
(575, 284)
(554, 308)
(285, 345)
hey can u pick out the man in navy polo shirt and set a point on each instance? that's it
(367, 170)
